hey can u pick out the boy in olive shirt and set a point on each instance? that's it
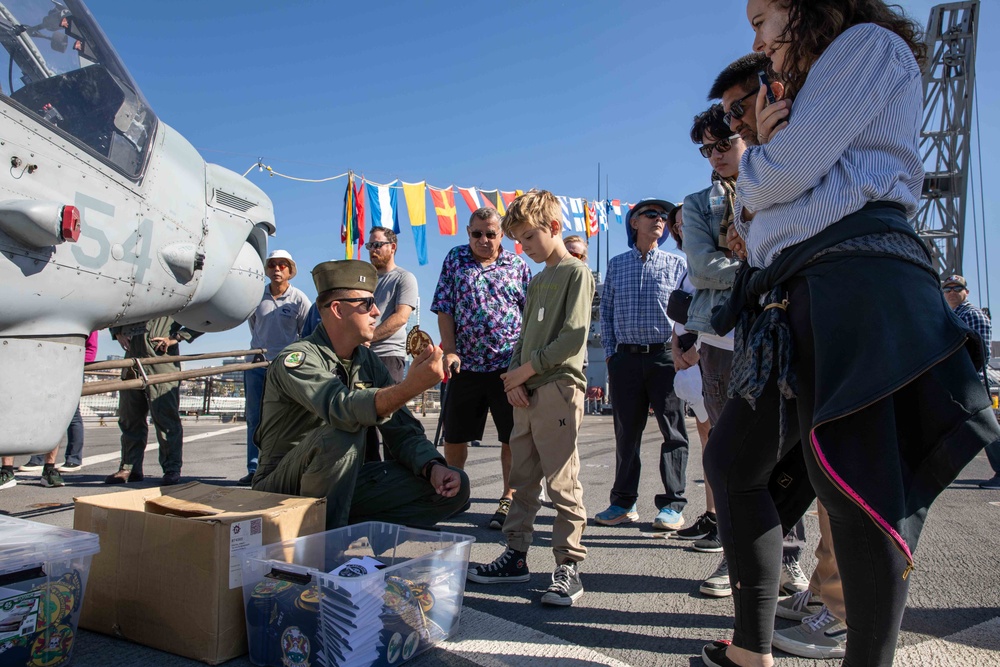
(545, 384)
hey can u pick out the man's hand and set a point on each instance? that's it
(162, 344)
(518, 397)
(122, 340)
(517, 377)
(691, 357)
(736, 242)
(426, 371)
(452, 364)
(446, 482)
(675, 353)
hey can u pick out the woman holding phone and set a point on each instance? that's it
(839, 306)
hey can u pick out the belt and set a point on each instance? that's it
(641, 349)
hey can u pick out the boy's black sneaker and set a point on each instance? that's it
(510, 567)
(565, 588)
(701, 528)
(709, 544)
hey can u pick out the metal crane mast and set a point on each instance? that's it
(949, 82)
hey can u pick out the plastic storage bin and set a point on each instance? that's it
(299, 613)
(43, 575)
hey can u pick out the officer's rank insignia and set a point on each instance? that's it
(417, 341)
(295, 359)
(362, 385)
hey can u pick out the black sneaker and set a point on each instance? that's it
(496, 522)
(705, 524)
(993, 483)
(709, 544)
(510, 567)
(714, 655)
(718, 585)
(7, 478)
(246, 480)
(565, 588)
(51, 476)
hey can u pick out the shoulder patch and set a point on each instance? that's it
(294, 360)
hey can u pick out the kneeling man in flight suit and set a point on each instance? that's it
(321, 396)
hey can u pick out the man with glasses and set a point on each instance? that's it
(956, 293)
(479, 298)
(737, 87)
(276, 322)
(324, 392)
(396, 297)
(636, 334)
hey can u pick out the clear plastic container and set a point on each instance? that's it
(298, 612)
(43, 576)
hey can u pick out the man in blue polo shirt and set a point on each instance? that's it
(636, 332)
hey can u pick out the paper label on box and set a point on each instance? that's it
(18, 613)
(243, 535)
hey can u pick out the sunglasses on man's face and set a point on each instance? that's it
(721, 146)
(652, 214)
(953, 288)
(476, 234)
(736, 111)
(375, 245)
(367, 301)
(278, 265)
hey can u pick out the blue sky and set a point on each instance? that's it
(493, 95)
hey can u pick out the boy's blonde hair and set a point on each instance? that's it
(535, 208)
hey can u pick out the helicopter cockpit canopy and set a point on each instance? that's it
(61, 69)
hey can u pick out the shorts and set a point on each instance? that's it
(470, 395)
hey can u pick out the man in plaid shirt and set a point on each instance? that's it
(636, 332)
(956, 293)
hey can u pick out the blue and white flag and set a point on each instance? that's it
(566, 218)
(382, 206)
(602, 214)
(616, 206)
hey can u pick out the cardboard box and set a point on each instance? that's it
(169, 571)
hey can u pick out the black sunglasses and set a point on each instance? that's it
(375, 245)
(720, 146)
(653, 214)
(367, 301)
(478, 234)
(953, 288)
(736, 111)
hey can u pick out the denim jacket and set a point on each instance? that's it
(710, 271)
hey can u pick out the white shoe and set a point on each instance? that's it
(792, 579)
(27, 467)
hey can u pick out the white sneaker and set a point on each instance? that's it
(820, 636)
(799, 606)
(792, 579)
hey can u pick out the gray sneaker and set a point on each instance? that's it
(717, 585)
(799, 606)
(566, 587)
(820, 636)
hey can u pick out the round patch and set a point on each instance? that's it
(394, 647)
(52, 650)
(410, 647)
(270, 587)
(72, 579)
(417, 341)
(295, 648)
(294, 360)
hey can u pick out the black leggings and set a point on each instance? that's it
(871, 566)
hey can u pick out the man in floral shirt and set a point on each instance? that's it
(479, 298)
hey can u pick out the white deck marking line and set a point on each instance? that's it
(977, 645)
(112, 456)
(494, 642)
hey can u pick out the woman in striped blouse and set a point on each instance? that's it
(839, 308)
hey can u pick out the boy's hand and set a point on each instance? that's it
(518, 376)
(518, 397)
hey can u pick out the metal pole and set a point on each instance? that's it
(105, 386)
(126, 363)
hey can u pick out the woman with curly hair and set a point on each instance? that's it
(839, 308)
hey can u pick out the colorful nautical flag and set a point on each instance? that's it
(382, 206)
(616, 206)
(602, 214)
(493, 199)
(471, 198)
(508, 197)
(590, 214)
(359, 213)
(447, 214)
(349, 227)
(416, 206)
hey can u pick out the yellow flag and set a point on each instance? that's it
(416, 203)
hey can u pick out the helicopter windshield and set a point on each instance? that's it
(61, 68)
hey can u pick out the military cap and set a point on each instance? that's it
(345, 274)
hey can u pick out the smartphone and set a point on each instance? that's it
(764, 81)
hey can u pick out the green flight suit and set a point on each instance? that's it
(315, 415)
(159, 401)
